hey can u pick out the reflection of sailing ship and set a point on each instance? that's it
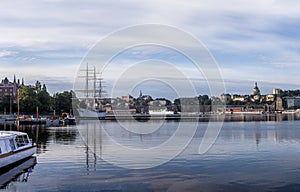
(91, 106)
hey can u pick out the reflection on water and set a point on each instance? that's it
(247, 156)
(18, 172)
(262, 117)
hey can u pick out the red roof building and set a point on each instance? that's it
(10, 88)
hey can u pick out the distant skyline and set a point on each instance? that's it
(250, 40)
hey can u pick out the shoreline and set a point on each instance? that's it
(218, 117)
(200, 117)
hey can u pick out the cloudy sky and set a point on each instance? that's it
(250, 40)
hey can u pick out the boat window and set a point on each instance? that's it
(19, 141)
(12, 144)
(2, 146)
(26, 140)
(7, 147)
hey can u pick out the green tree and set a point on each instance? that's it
(32, 97)
(62, 102)
(204, 100)
(177, 105)
(7, 104)
(28, 99)
(44, 101)
(38, 86)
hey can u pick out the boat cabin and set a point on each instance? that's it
(11, 141)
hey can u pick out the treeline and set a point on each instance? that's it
(289, 93)
(37, 97)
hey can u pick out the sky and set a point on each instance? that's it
(250, 40)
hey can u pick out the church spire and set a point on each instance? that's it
(22, 81)
(14, 78)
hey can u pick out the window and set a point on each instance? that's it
(21, 140)
(25, 139)
(12, 144)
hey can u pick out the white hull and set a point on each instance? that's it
(15, 146)
(50, 122)
(16, 156)
(86, 113)
(160, 112)
(7, 118)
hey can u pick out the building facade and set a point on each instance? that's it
(10, 88)
(292, 103)
(255, 95)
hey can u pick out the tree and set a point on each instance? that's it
(44, 101)
(62, 102)
(177, 105)
(7, 104)
(28, 99)
(204, 100)
(32, 97)
(44, 88)
(38, 86)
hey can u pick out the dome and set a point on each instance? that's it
(255, 90)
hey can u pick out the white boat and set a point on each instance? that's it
(15, 146)
(90, 113)
(52, 122)
(160, 112)
(7, 118)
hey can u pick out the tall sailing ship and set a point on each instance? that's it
(91, 105)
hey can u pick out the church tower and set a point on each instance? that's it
(255, 95)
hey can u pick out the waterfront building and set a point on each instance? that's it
(142, 103)
(126, 98)
(270, 98)
(158, 103)
(277, 91)
(225, 97)
(191, 104)
(279, 104)
(241, 98)
(10, 88)
(292, 103)
(255, 95)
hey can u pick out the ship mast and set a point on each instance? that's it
(87, 81)
(90, 94)
(95, 92)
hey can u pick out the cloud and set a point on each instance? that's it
(7, 53)
(249, 39)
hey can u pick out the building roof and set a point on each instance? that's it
(255, 90)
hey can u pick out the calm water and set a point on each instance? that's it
(247, 156)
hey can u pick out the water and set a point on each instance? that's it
(247, 156)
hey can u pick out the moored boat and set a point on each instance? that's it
(15, 146)
(7, 118)
(52, 122)
(93, 102)
(90, 113)
(161, 112)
